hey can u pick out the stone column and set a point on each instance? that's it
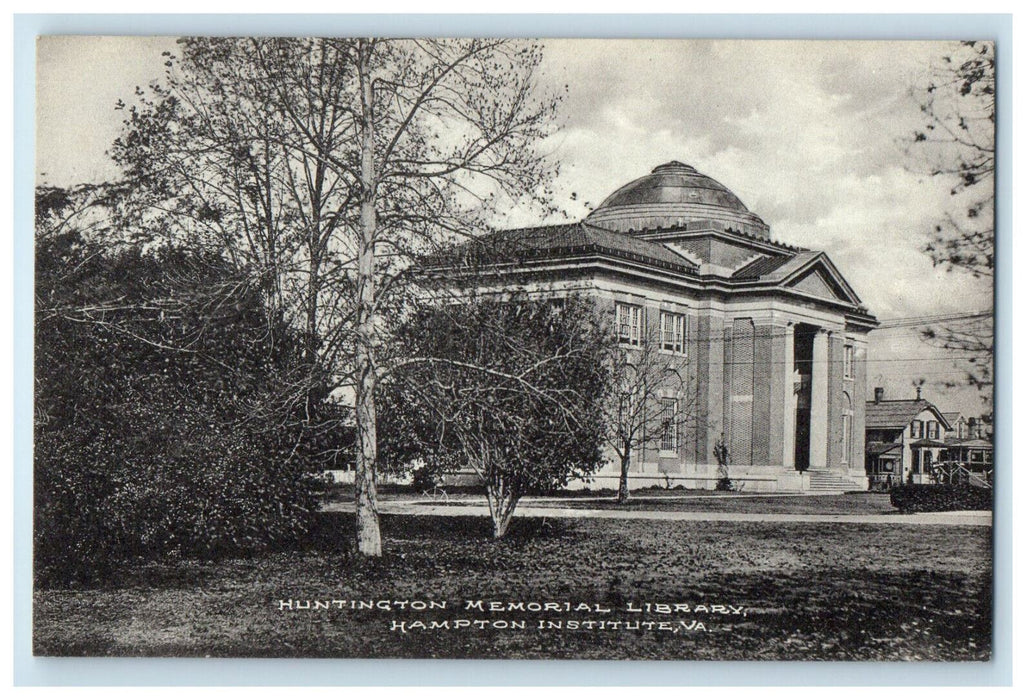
(820, 400)
(789, 399)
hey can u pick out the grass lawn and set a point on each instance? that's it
(809, 591)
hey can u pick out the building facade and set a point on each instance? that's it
(771, 338)
(906, 440)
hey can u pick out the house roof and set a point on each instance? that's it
(897, 413)
(879, 448)
(548, 241)
(952, 416)
(778, 267)
(969, 442)
(762, 266)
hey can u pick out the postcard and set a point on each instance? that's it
(514, 349)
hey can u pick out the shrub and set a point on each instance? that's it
(100, 502)
(424, 479)
(915, 498)
(168, 423)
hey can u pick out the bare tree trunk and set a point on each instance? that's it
(367, 520)
(502, 508)
(622, 489)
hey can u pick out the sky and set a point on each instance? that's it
(810, 136)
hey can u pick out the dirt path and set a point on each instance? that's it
(974, 517)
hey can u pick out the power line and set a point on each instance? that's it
(931, 319)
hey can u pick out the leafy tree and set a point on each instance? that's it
(327, 164)
(511, 389)
(166, 419)
(651, 401)
(956, 144)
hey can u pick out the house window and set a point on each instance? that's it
(629, 324)
(848, 362)
(916, 428)
(975, 456)
(668, 425)
(672, 332)
(932, 430)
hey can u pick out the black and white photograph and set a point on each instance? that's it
(496, 348)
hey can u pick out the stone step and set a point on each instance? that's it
(822, 481)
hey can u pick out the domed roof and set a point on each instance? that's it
(675, 194)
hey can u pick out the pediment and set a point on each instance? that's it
(816, 285)
(820, 278)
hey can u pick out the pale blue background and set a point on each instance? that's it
(49, 671)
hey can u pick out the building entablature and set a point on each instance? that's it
(683, 282)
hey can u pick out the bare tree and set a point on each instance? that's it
(329, 165)
(652, 405)
(956, 144)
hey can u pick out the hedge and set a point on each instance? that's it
(925, 498)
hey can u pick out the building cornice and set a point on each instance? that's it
(683, 280)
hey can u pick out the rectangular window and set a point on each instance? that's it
(848, 362)
(668, 425)
(916, 428)
(672, 332)
(624, 411)
(932, 430)
(848, 421)
(629, 324)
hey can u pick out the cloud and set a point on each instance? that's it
(809, 134)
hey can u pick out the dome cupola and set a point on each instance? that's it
(673, 195)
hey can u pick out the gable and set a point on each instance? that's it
(931, 413)
(815, 284)
(820, 278)
(928, 415)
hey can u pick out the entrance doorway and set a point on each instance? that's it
(803, 371)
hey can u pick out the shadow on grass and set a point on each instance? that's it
(333, 532)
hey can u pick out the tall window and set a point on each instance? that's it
(848, 427)
(629, 324)
(624, 410)
(916, 428)
(672, 332)
(932, 430)
(668, 425)
(848, 361)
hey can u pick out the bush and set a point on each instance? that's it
(424, 479)
(169, 424)
(100, 503)
(925, 498)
